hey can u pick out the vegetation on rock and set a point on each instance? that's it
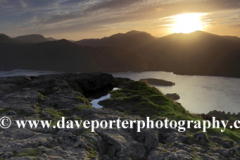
(52, 96)
(137, 98)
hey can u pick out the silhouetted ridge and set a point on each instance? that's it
(33, 38)
(131, 40)
(197, 53)
(4, 38)
(51, 39)
(63, 55)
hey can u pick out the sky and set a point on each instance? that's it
(79, 19)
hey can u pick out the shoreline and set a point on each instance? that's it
(117, 72)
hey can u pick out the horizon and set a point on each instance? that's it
(76, 20)
(118, 33)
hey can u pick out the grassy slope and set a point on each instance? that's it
(137, 98)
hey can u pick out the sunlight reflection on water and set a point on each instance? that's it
(198, 94)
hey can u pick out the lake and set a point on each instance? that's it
(198, 94)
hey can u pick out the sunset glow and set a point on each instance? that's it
(187, 23)
(76, 20)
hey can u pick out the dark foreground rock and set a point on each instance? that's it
(53, 96)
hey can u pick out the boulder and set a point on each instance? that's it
(201, 138)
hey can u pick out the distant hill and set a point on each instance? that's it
(195, 53)
(33, 38)
(63, 55)
(51, 39)
(131, 40)
(4, 39)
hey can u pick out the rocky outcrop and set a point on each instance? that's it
(52, 96)
(173, 96)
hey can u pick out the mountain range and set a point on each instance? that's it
(197, 53)
(131, 40)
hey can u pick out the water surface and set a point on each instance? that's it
(198, 94)
(95, 102)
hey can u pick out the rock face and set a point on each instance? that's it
(201, 138)
(52, 96)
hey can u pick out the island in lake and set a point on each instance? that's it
(157, 82)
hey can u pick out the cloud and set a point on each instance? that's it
(60, 18)
(24, 4)
(68, 15)
(112, 4)
(89, 15)
(3, 1)
(170, 7)
(96, 8)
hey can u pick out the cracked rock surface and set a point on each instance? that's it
(50, 97)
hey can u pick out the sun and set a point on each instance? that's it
(187, 23)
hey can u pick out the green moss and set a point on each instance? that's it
(194, 157)
(160, 144)
(192, 141)
(86, 131)
(118, 95)
(30, 152)
(90, 140)
(84, 107)
(138, 98)
(37, 109)
(211, 145)
(84, 100)
(35, 158)
(86, 104)
(77, 118)
(42, 95)
(55, 113)
(233, 134)
(230, 134)
(129, 157)
(2, 110)
(91, 152)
